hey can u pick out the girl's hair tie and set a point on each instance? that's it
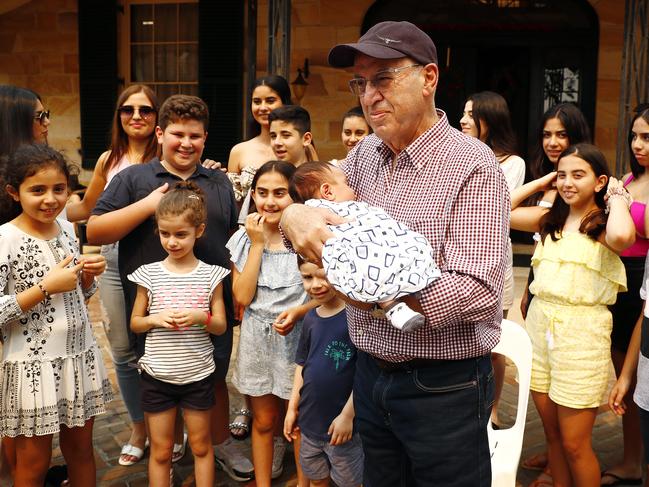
(194, 196)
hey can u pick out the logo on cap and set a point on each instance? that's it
(386, 40)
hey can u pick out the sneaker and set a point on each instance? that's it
(279, 449)
(405, 319)
(229, 458)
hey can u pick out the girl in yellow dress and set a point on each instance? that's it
(577, 274)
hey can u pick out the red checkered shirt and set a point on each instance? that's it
(448, 187)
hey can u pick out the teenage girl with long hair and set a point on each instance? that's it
(23, 120)
(627, 311)
(577, 275)
(266, 281)
(268, 93)
(133, 141)
(486, 117)
(560, 126)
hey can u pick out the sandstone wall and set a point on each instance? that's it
(39, 50)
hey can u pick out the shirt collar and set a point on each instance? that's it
(418, 151)
(160, 170)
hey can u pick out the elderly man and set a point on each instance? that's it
(423, 399)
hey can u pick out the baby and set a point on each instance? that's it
(372, 258)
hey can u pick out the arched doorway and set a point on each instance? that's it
(534, 52)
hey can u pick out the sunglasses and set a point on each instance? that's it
(41, 116)
(127, 111)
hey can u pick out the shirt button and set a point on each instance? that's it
(360, 331)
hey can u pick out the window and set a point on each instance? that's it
(160, 46)
(561, 85)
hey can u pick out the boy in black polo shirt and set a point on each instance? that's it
(125, 213)
(321, 403)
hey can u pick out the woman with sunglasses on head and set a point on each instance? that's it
(133, 141)
(23, 120)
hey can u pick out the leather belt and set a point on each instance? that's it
(406, 366)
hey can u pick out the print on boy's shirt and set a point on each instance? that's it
(337, 351)
(328, 358)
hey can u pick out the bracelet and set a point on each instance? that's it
(209, 318)
(617, 193)
(43, 290)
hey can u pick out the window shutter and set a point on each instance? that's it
(97, 75)
(220, 73)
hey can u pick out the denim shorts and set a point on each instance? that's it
(343, 463)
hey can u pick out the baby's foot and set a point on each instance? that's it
(405, 319)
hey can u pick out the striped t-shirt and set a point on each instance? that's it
(178, 356)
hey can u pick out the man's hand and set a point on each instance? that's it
(307, 230)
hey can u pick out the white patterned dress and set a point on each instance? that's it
(52, 369)
(266, 360)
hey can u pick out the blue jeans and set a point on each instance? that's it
(119, 334)
(426, 426)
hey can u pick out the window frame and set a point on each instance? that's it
(124, 44)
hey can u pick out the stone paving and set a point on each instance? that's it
(111, 430)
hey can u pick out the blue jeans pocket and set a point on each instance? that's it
(424, 384)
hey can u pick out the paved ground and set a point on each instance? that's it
(111, 430)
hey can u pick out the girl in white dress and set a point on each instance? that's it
(53, 379)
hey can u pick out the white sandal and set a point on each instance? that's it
(132, 451)
(179, 450)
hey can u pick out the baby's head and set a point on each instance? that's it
(320, 180)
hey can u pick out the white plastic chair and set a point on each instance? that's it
(505, 445)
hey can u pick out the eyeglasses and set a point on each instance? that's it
(41, 116)
(381, 81)
(127, 111)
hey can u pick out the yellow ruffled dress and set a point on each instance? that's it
(575, 279)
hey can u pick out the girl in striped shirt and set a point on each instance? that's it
(179, 303)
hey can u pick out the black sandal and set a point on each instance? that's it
(243, 424)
